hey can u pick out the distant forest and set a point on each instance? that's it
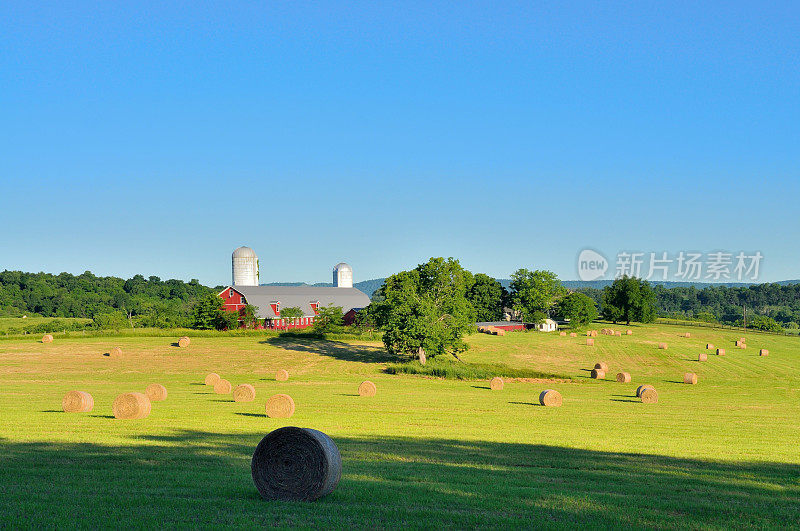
(152, 302)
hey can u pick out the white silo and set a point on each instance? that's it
(342, 276)
(245, 267)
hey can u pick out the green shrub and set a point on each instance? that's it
(454, 370)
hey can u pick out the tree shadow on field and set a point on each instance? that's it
(335, 349)
(175, 481)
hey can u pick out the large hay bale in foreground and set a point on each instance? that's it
(115, 352)
(296, 464)
(598, 374)
(496, 384)
(702, 357)
(763, 352)
(131, 406)
(212, 379)
(367, 388)
(590, 342)
(77, 402)
(280, 406)
(624, 377)
(662, 346)
(47, 338)
(244, 393)
(156, 392)
(642, 388)
(649, 396)
(550, 398)
(184, 341)
(603, 366)
(222, 387)
(690, 378)
(282, 375)
(720, 352)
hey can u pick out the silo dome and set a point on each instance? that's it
(342, 275)
(245, 267)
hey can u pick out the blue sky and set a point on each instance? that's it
(154, 139)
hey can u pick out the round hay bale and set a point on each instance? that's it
(550, 398)
(184, 341)
(296, 464)
(738, 343)
(709, 346)
(690, 378)
(763, 352)
(222, 387)
(212, 379)
(131, 406)
(282, 375)
(77, 402)
(662, 346)
(629, 332)
(496, 384)
(244, 393)
(563, 334)
(367, 388)
(687, 334)
(649, 396)
(590, 342)
(603, 366)
(115, 352)
(588, 333)
(624, 377)
(642, 388)
(47, 338)
(743, 345)
(702, 357)
(720, 352)
(598, 374)
(573, 334)
(618, 334)
(500, 332)
(156, 392)
(280, 406)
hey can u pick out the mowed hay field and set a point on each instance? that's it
(422, 452)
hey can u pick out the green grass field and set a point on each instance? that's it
(7, 323)
(424, 452)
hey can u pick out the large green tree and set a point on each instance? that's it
(578, 308)
(534, 293)
(329, 320)
(629, 299)
(487, 296)
(425, 311)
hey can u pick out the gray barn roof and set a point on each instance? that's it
(301, 297)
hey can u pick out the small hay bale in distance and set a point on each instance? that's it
(690, 378)
(212, 378)
(742, 345)
(594, 333)
(244, 393)
(603, 366)
(629, 332)
(720, 352)
(618, 334)
(598, 374)
(662, 346)
(184, 341)
(499, 332)
(590, 341)
(562, 334)
(573, 334)
(131, 406)
(709, 346)
(47, 338)
(367, 388)
(649, 396)
(550, 398)
(282, 375)
(496, 384)
(702, 357)
(279, 406)
(77, 402)
(222, 387)
(156, 392)
(642, 388)
(763, 352)
(738, 342)
(115, 352)
(687, 334)
(296, 464)
(588, 333)
(624, 377)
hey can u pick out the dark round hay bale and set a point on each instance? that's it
(367, 388)
(131, 406)
(702, 357)
(280, 406)
(184, 341)
(296, 464)
(649, 396)
(244, 393)
(282, 375)
(77, 402)
(222, 387)
(642, 388)
(496, 384)
(550, 398)
(47, 338)
(603, 366)
(156, 392)
(598, 374)
(690, 378)
(212, 379)
(624, 377)
(115, 352)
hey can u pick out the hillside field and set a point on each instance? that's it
(423, 452)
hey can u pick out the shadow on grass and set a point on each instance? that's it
(525, 403)
(626, 400)
(335, 349)
(203, 479)
(258, 415)
(102, 416)
(52, 411)
(481, 387)
(196, 383)
(348, 394)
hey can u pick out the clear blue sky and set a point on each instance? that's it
(154, 139)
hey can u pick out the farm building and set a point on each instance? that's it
(269, 300)
(511, 326)
(548, 325)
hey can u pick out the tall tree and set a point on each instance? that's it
(487, 296)
(578, 308)
(534, 293)
(629, 299)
